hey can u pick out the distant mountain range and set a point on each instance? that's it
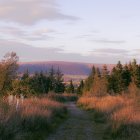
(67, 68)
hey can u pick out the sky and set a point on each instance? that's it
(92, 31)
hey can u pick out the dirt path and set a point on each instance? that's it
(77, 127)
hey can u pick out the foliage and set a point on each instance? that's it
(65, 97)
(89, 81)
(59, 86)
(70, 87)
(80, 88)
(118, 81)
(8, 68)
(27, 84)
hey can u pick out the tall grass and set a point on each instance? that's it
(65, 97)
(121, 112)
(30, 119)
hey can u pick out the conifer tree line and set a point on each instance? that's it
(26, 84)
(40, 82)
(122, 79)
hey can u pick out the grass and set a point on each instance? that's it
(33, 119)
(66, 97)
(118, 115)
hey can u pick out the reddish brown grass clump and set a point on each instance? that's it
(120, 111)
(33, 115)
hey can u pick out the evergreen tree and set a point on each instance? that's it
(89, 81)
(105, 72)
(34, 81)
(135, 73)
(40, 83)
(113, 84)
(97, 72)
(137, 80)
(70, 88)
(126, 77)
(116, 78)
(133, 90)
(80, 87)
(59, 83)
(25, 75)
(100, 84)
(22, 87)
(52, 79)
(42, 80)
(119, 80)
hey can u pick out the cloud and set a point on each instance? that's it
(138, 36)
(112, 56)
(136, 53)
(31, 11)
(88, 34)
(27, 34)
(11, 31)
(43, 31)
(111, 51)
(30, 53)
(107, 41)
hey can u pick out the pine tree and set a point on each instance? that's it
(70, 88)
(89, 81)
(22, 87)
(59, 83)
(51, 79)
(42, 80)
(97, 72)
(80, 87)
(100, 85)
(126, 78)
(116, 78)
(105, 72)
(40, 83)
(25, 75)
(136, 73)
(133, 90)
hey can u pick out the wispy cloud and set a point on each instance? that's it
(109, 55)
(27, 52)
(30, 53)
(111, 51)
(88, 35)
(14, 31)
(26, 34)
(31, 11)
(107, 41)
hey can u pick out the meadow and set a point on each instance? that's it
(120, 115)
(34, 118)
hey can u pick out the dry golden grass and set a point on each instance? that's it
(40, 107)
(62, 97)
(118, 110)
(33, 115)
(125, 115)
(107, 104)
